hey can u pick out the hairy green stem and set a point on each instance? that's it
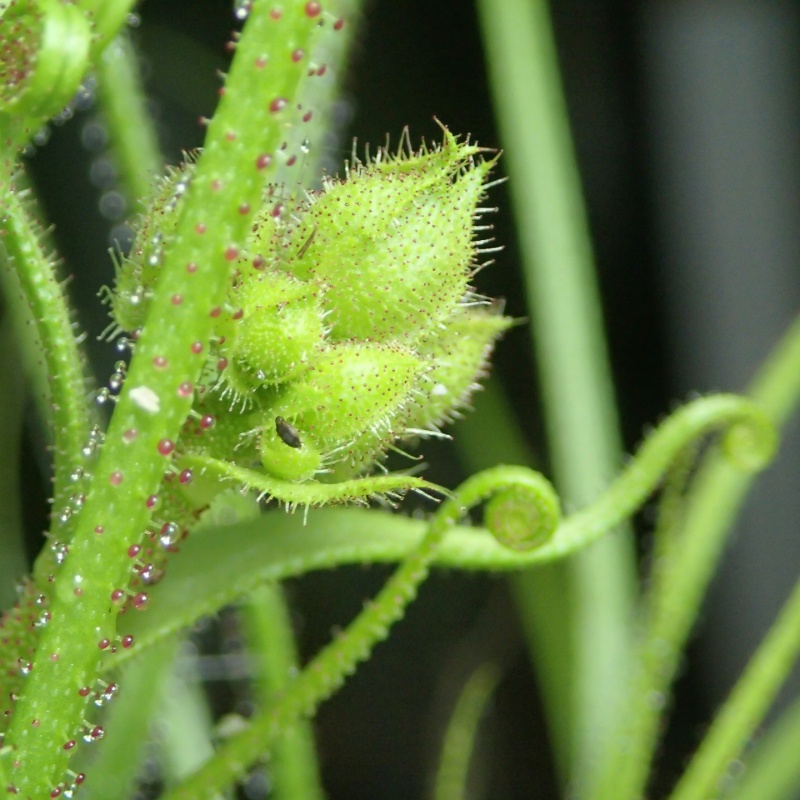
(213, 224)
(107, 17)
(208, 574)
(744, 710)
(45, 309)
(599, 587)
(330, 668)
(310, 493)
(681, 577)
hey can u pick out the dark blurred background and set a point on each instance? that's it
(685, 115)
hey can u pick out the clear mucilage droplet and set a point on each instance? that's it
(169, 534)
(241, 9)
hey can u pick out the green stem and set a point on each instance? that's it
(293, 769)
(131, 132)
(214, 221)
(773, 769)
(682, 575)
(280, 546)
(329, 669)
(744, 710)
(45, 309)
(567, 329)
(13, 565)
(459, 740)
(107, 18)
(128, 723)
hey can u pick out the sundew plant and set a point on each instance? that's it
(288, 340)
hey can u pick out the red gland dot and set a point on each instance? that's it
(176, 299)
(263, 161)
(191, 267)
(231, 253)
(197, 348)
(187, 476)
(186, 389)
(130, 435)
(165, 447)
(313, 8)
(278, 104)
(200, 228)
(115, 479)
(160, 362)
(127, 641)
(297, 55)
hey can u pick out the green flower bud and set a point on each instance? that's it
(285, 459)
(44, 57)
(138, 272)
(393, 243)
(459, 354)
(278, 330)
(350, 389)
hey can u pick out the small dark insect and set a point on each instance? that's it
(287, 432)
(302, 251)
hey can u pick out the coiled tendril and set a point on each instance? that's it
(329, 669)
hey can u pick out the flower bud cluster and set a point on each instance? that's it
(350, 322)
